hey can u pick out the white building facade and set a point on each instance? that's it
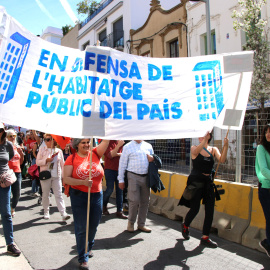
(224, 38)
(52, 34)
(113, 20)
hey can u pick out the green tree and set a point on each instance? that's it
(249, 20)
(87, 7)
(66, 29)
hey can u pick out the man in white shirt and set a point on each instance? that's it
(135, 160)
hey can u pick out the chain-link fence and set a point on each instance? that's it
(240, 163)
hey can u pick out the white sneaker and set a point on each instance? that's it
(65, 216)
(46, 216)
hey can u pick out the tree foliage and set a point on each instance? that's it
(87, 7)
(66, 29)
(249, 20)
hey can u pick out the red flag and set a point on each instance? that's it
(61, 140)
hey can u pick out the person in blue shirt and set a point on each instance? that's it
(262, 167)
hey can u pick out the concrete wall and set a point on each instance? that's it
(238, 215)
(70, 39)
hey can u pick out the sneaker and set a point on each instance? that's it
(13, 250)
(185, 232)
(46, 216)
(263, 244)
(65, 216)
(208, 243)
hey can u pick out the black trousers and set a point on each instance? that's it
(195, 203)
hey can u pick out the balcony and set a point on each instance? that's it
(98, 10)
(114, 40)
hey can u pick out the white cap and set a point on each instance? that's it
(2, 125)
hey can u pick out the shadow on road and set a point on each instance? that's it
(176, 256)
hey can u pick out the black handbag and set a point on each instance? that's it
(191, 189)
(45, 175)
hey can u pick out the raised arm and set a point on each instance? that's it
(102, 147)
(196, 150)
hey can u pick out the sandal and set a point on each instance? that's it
(84, 266)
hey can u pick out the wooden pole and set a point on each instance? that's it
(90, 176)
(234, 106)
(89, 195)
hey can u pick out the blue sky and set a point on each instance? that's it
(36, 15)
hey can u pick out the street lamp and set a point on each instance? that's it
(208, 26)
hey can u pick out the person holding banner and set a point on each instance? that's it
(6, 154)
(201, 180)
(15, 165)
(50, 158)
(262, 167)
(135, 159)
(76, 174)
(112, 156)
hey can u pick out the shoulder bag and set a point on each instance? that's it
(7, 178)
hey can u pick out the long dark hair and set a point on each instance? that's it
(263, 141)
(3, 137)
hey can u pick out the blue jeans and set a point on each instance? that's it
(79, 208)
(16, 190)
(111, 179)
(264, 197)
(5, 214)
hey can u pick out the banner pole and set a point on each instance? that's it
(234, 106)
(89, 195)
(90, 176)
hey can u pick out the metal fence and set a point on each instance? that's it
(240, 163)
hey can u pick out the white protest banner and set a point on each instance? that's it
(52, 88)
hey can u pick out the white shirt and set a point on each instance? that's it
(134, 159)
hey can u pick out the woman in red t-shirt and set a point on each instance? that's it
(15, 165)
(76, 174)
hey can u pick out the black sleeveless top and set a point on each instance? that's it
(202, 164)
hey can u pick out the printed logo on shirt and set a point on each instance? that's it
(83, 170)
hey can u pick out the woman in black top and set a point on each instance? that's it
(201, 176)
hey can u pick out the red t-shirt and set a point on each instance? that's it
(14, 163)
(81, 167)
(111, 163)
(31, 143)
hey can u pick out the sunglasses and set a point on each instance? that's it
(85, 142)
(47, 139)
(12, 136)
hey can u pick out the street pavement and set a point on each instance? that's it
(50, 244)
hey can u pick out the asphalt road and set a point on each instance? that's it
(50, 244)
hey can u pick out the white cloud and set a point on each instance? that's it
(68, 10)
(44, 10)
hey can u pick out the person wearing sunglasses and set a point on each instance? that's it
(6, 154)
(50, 158)
(15, 165)
(76, 174)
